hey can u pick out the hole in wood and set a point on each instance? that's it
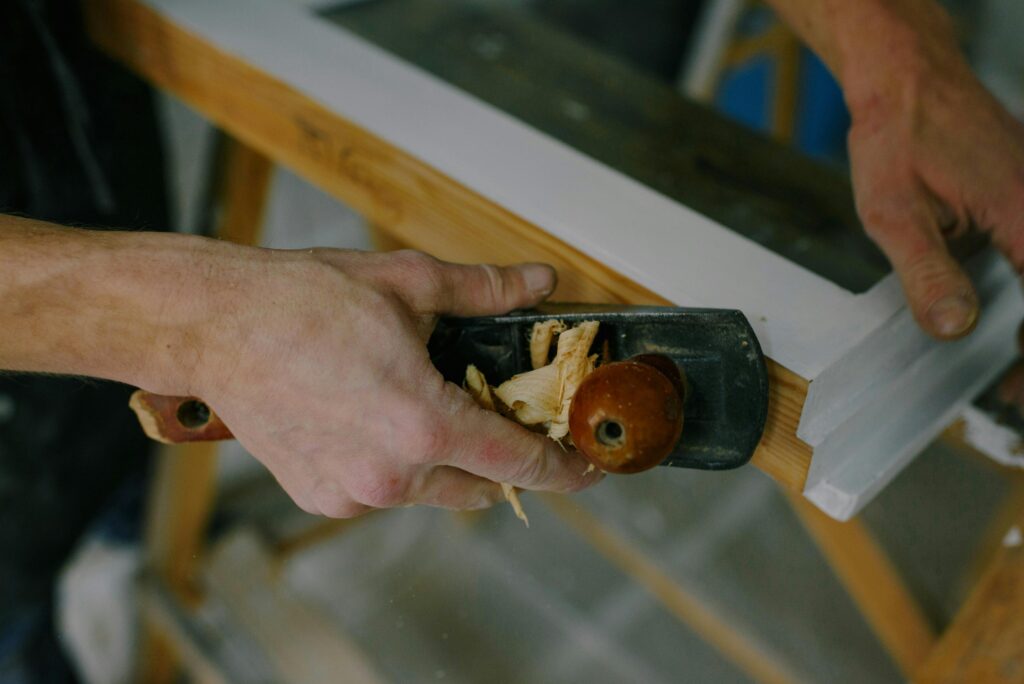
(610, 433)
(193, 414)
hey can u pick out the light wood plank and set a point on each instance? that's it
(873, 583)
(415, 203)
(990, 542)
(985, 643)
(179, 507)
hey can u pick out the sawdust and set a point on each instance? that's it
(543, 396)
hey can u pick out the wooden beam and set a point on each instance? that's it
(179, 507)
(873, 583)
(990, 542)
(985, 643)
(418, 205)
(738, 648)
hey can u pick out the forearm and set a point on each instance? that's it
(872, 44)
(130, 307)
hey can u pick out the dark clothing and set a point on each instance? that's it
(79, 144)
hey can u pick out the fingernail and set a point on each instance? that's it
(952, 316)
(540, 279)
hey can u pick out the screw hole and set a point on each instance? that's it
(611, 433)
(193, 414)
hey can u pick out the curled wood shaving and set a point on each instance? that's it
(476, 385)
(544, 395)
(540, 341)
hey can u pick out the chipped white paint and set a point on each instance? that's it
(996, 441)
(879, 389)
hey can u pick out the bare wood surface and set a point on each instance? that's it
(383, 241)
(178, 508)
(985, 643)
(990, 543)
(873, 583)
(417, 205)
(738, 648)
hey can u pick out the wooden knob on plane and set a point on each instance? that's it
(627, 416)
(174, 420)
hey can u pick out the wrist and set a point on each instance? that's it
(889, 51)
(193, 310)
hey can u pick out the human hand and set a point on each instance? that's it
(933, 155)
(318, 365)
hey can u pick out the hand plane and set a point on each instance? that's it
(722, 375)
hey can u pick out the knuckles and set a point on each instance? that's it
(423, 434)
(497, 286)
(332, 501)
(531, 469)
(416, 271)
(380, 489)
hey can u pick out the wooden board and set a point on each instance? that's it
(985, 643)
(443, 171)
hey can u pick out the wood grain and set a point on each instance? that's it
(985, 643)
(417, 205)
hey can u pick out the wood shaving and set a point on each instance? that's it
(476, 385)
(542, 396)
(540, 341)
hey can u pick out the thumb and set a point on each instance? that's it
(485, 289)
(938, 291)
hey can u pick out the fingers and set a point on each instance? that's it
(330, 500)
(446, 487)
(437, 287)
(484, 289)
(939, 292)
(898, 215)
(495, 448)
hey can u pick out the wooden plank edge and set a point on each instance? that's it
(985, 643)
